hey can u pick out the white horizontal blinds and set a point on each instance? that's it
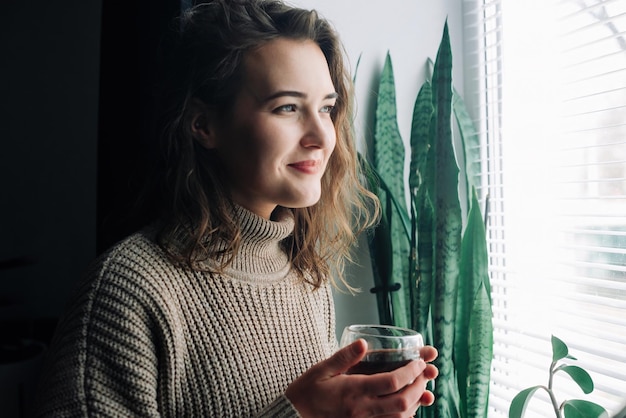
(482, 71)
(546, 84)
(591, 193)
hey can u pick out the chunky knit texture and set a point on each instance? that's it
(145, 338)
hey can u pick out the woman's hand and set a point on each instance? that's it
(324, 391)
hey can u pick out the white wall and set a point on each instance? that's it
(411, 31)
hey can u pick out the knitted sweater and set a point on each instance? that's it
(143, 337)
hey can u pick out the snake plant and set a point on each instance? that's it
(430, 269)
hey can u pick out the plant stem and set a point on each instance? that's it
(555, 403)
(551, 376)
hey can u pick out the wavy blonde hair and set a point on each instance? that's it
(205, 63)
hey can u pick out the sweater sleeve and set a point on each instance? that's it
(280, 408)
(103, 361)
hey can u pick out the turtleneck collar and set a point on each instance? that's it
(261, 256)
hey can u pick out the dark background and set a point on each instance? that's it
(76, 110)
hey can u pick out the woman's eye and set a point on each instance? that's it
(327, 109)
(286, 108)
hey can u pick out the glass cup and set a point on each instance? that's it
(388, 347)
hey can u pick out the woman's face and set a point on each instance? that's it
(277, 142)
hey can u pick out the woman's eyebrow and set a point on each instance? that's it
(298, 94)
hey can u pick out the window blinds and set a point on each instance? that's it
(545, 81)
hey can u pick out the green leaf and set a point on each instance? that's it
(447, 406)
(430, 67)
(577, 408)
(580, 376)
(378, 242)
(473, 324)
(471, 143)
(382, 262)
(448, 225)
(389, 157)
(424, 284)
(520, 401)
(377, 185)
(356, 68)
(388, 146)
(381, 248)
(474, 268)
(559, 349)
(420, 136)
(480, 349)
(421, 210)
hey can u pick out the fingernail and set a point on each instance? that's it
(358, 348)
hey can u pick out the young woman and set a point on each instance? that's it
(223, 306)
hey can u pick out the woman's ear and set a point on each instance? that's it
(202, 128)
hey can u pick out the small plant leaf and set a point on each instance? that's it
(580, 376)
(577, 408)
(559, 349)
(520, 401)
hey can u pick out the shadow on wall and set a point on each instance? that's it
(22, 346)
(74, 109)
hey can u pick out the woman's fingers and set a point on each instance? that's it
(431, 372)
(428, 353)
(404, 402)
(413, 395)
(427, 398)
(391, 382)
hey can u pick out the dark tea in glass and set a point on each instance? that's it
(388, 347)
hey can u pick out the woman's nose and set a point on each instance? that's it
(319, 131)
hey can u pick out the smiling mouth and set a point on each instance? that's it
(308, 167)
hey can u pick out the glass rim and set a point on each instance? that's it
(362, 329)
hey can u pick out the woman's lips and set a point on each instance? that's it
(308, 166)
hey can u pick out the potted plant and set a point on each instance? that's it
(429, 258)
(571, 408)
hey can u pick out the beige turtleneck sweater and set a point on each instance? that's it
(145, 338)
